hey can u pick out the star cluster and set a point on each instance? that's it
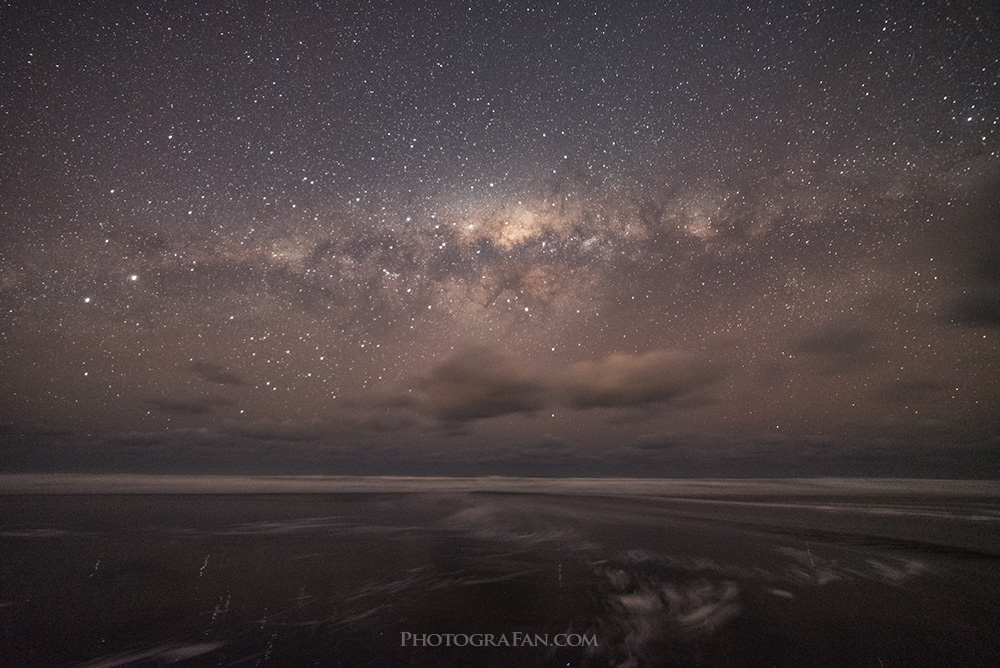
(539, 238)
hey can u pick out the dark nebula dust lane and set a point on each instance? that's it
(527, 238)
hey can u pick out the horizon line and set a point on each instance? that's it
(154, 483)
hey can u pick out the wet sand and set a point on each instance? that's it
(336, 579)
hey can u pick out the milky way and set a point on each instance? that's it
(529, 238)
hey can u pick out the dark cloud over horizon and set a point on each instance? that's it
(478, 383)
(213, 373)
(633, 380)
(482, 382)
(179, 406)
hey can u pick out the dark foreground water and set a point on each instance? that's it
(336, 579)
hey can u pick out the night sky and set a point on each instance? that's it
(513, 238)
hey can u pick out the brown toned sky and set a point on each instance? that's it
(523, 238)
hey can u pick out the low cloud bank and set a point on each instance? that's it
(482, 382)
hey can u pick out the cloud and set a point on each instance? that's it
(987, 267)
(139, 438)
(980, 308)
(627, 380)
(389, 413)
(11, 430)
(478, 383)
(837, 347)
(270, 430)
(200, 406)
(481, 382)
(904, 391)
(658, 442)
(550, 442)
(213, 373)
(835, 339)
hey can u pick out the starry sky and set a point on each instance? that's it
(511, 238)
